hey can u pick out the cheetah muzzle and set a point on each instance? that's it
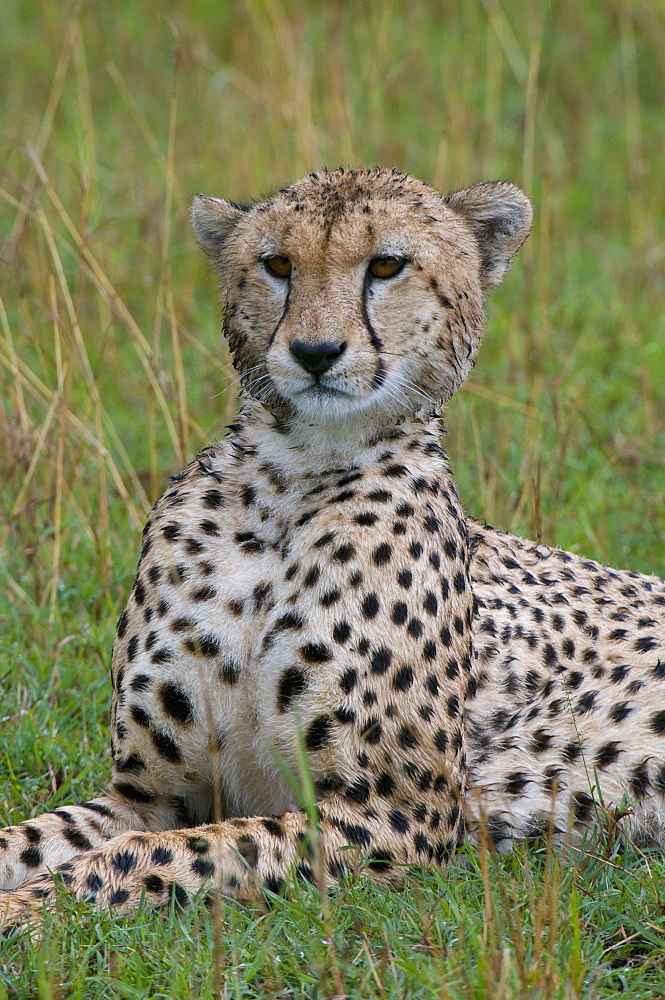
(313, 579)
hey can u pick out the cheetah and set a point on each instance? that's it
(311, 585)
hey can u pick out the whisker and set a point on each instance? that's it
(238, 378)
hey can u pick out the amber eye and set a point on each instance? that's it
(386, 267)
(280, 267)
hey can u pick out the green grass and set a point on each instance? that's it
(112, 374)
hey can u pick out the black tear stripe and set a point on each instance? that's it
(378, 379)
(282, 317)
(375, 340)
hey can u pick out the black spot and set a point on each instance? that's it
(94, 882)
(140, 716)
(403, 679)
(407, 738)
(290, 620)
(292, 683)
(166, 747)
(446, 637)
(161, 656)
(140, 682)
(620, 711)
(348, 680)
(399, 613)
(118, 896)
(582, 806)
(162, 856)
(31, 857)
(312, 576)
(249, 850)
(432, 684)
(344, 552)
(371, 731)
(122, 624)
(176, 702)
(124, 862)
(357, 836)
(382, 554)
(32, 834)
(607, 754)
(154, 883)
(318, 732)
(380, 861)
(640, 783)
(202, 867)
(370, 606)
(541, 741)
(385, 785)
(415, 628)
(329, 598)
(430, 603)
(381, 660)
(330, 783)
(405, 578)
(315, 652)
(341, 632)
(213, 499)
(398, 821)
(366, 518)
(131, 792)
(657, 724)
(516, 783)
(645, 644)
(76, 838)
(133, 764)
(358, 792)
(345, 715)
(441, 741)
(209, 645)
(228, 671)
(132, 647)
(586, 703)
(248, 494)
(180, 894)
(274, 827)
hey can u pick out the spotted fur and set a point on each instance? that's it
(313, 579)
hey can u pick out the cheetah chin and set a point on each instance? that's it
(313, 579)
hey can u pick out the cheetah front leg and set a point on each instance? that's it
(52, 839)
(237, 857)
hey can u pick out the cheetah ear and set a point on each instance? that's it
(214, 220)
(500, 215)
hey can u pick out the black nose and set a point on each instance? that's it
(317, 357)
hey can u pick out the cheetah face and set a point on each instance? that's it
(359, 292)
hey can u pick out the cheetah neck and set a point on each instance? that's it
(342, 444)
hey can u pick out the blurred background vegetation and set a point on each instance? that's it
(112, 369)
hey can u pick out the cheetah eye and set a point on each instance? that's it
(279, 267)
(386, 267)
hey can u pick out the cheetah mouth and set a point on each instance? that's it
(323, 389)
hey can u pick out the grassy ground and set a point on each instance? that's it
(112, 374)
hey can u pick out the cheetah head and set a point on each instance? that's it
(359, 294)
